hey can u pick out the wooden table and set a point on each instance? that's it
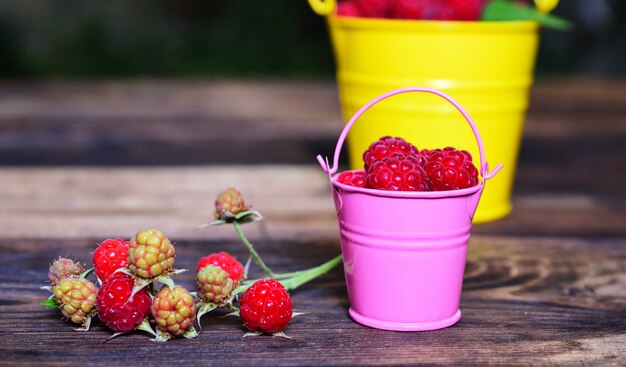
(85, 161)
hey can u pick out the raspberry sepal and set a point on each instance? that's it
(141, 283)
(227, 217)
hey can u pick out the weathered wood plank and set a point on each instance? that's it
(166, 122)
(221, 122)
(101, 202)
(526, 302)
(87, 202)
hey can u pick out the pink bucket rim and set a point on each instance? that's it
(408, 194)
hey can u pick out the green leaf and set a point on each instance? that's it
(116, 335)
(141, 284)
(166, 280)
(162, 336)
(234, 313)
(204, 308)
(252, 333)
(191, 333)
(281, 334)
(214, 223)
(248, 217)
(51, 302)
(86, 325)
(242, 288)
(86, 273)
(507, 10)
(145, 326)
(124, 270)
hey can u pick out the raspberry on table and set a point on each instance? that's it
(112, 254)
(398, 174)
(150, 254)
(352, 178)
(215, 285)
(266, 306)
(226, 261)
(450, 169)
(115, 309)
(174, 310)
(63, 268)
(77, 298)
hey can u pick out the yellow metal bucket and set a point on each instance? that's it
(486, 66)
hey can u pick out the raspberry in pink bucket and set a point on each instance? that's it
(404, 251)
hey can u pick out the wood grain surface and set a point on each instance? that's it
(532, 301)
(80, 162)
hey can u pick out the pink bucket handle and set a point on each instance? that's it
(484, 167)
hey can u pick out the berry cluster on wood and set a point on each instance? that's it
(129, 273)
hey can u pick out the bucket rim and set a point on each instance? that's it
(478, 26)
(408, 194)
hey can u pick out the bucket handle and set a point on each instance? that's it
(484, 167)
(323, 7)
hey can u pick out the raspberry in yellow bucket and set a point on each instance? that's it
(480, 52)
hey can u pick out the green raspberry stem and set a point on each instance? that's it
(255, 255)
(305, 276)
(297, 278)
(290, 280)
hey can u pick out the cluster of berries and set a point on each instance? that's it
(397, 165)
(413, 9)
(129, 271)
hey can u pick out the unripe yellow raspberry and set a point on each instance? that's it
(77, 298)
(150, 254)
(174, 310)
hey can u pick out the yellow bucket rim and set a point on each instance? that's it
(434, 25)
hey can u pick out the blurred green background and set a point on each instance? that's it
(104, 39)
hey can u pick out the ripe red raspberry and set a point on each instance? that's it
(451, 169)
(225, 261)
(352, 178)
(115, 309)
(440, 12)
(112, 254)
(266, 307)
(409, 9)
(348, 9)
(374, 8)
(397, 174)
(385, 147)
(467, 9)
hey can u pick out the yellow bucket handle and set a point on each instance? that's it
(323, 7)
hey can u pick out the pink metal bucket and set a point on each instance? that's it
(404, 252)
